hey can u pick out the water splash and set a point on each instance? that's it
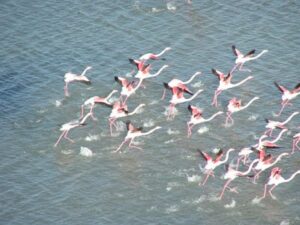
(231, 205)
(193, 178)
(84, 151)
(171, 132)
(202, 130)
(197, 84)
(94, 137)
(148, 123)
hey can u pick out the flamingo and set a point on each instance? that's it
(287, 95)
(178, 97)
(269, 143)
(96, 100)
(232, 174)
(145, 73)
(244, 155)
(120, 110)
(265, 162)
(241, 59)
(275, 179)
(65, 128)
(71, 77)
(152, 56)
(236, 106)
(133, 132)
(196, 118)
(211, 163)
(128, 88)
(271, 124)
(180, 84)
(296, 140)
(224, 84)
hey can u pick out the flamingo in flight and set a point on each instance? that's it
(128, 88)
(96, 100)
(197, 118)
(153, 56)
(232, 174)
(265, 162)
(178, 98)
(296, 140)
(145, 73)
(269, 143)
(244, 154)
(275, 179)
(179, 84)
(271, 124)
(71, 77)
(120, 110)
(287, 95)
(241, 59)
(65, 128)
(235, 105)
(211, 163)
(132, 133)
(224, 84)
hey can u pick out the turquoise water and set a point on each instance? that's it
(41, 41)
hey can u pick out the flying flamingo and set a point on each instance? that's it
(179, 84)
(177, 98)
(241, 59)
(96, 100)
(128, 88)
(265, 162)
(244, 154)
(211, 163)
(120, 110)
(236, 106)
(271, 124)
(65, 128)
(145, 73)
(276, 179)
(224, 84)
(287, 95)
(232, 174)
(197, 118)
(152, 56)
(133, 132)
(269, 143)
(296, 140)
(71, 77)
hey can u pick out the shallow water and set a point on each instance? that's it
(42, 41)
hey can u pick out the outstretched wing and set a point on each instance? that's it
(219, 74)
(204, 155)
(250, 53)
(280, 87)
(219, 155)
(236, 52)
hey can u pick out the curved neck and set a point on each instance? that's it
(162, 52)
(110, 94)
(277, 159)
(194, 96)
(135, 110)
(213, 116)
(278, 137)
(250, 167)
(292, 177)
(259, 55)
(85, 118)
(241, 82)
(85, 70)
(192, 78)
(151, 131)
(158, 72)
(249, 103)
(138, 85)
(288, 119)
(226, 157)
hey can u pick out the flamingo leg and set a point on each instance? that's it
(215, 99)
(189, 128)
(112, 123)
(66, 90)
(223, 190)
(164, 94)
(265, 192)
(82, 111)
(270, 192)
(229, 118)
(66, 137)
(234, 68)
(120, 146)
(171, 111)
(92, 112)
(283, 104)
(205, 180)
(134, 146)
(60, 137)
(256, 177)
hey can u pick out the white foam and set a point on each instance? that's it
(199, 200)
(171, 132)
(84, 151)
(171, 6)
(92, 137)
(285, 222)
(231, 205)
(148, 123)
(169, 141)
(172, 209)
(203, 130)
(193, 178)
(67, 151)
(58, 103)
(253, 117)
(197, 84)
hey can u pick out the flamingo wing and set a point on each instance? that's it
(204, 155)
(236, 52)
(250, 53)
(219, 155)
(297, 88)
(280, 87)
(219, 74)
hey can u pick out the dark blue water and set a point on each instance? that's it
(41, 41)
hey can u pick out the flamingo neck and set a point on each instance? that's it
(162, 52)
(241, 82)
(250, 167)
(259, 55)
(226, 157)
(291, 177)
(192, 78)
(213, 116)
(277, 159)
(135, 110)
(158, 72)
(288, 119)
(278, 137)
(84, 72)
(194, 96)
(249, 103)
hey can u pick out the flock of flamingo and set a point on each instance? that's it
(179, 89)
